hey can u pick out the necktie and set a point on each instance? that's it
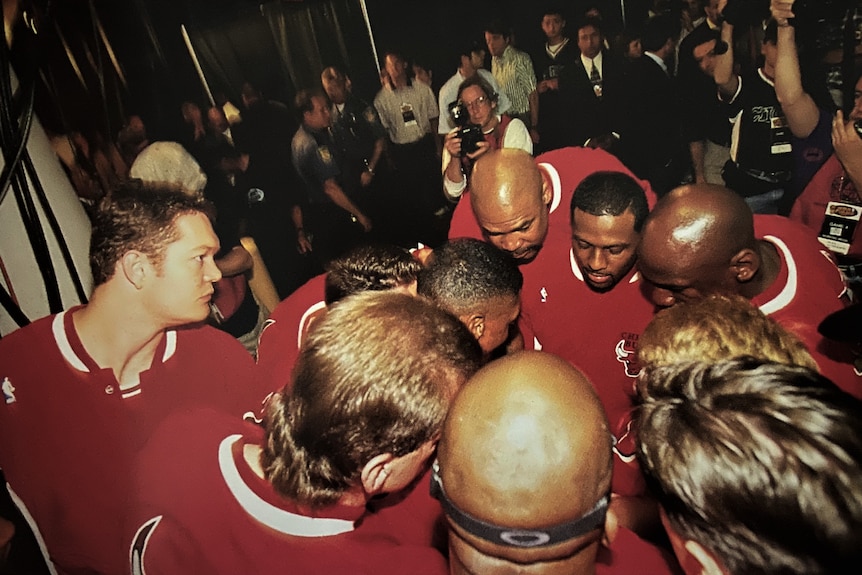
(596, 80)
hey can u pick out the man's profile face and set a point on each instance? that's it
(336, 90)
(500, 315)
(181, 287)
(395, 67)
(319, 117)
(604, 247)
(477, 58)
(682, 275)
(519, 228)
(589, 41)
(496, 43)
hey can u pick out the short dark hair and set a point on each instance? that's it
(610, 194)
(554, 10)
(482, 83)
(759, 462)
(702, 35)
(372, 267)
(590, 21)
(303, 101)
(657, 30)
(140, 217)
(469, 47)
(466, 272)
(499, 26)
(375, 375)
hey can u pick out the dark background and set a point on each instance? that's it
(279, 46)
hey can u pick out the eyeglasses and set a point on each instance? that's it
(475, 104)
(521, 538)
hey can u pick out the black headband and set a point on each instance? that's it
(523, 538)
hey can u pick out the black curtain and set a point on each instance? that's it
(282, 47)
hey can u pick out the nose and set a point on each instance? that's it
(597, 260)
(510, 243)
(662, 297)
(211, 272)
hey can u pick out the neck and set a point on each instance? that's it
(399, 82)
(770, 265)
(117, 335)
(491, 124)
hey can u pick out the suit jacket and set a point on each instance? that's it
(653, 147)
(587, 115)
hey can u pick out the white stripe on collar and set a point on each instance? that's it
(788, 292)
(271, 516)
(58, 327)
(556, 186)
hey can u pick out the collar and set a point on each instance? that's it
(553, 51)
(246, 488)
(553, 176)
(74, 352)
(507, 51)
(655, 58)
(765, 78)
(588, 62)
(781, 293)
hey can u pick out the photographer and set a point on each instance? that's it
(479, 129)
(833, 193)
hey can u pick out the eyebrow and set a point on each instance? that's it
(519, 227)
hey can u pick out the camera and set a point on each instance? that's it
(857, 125)
(470, 134)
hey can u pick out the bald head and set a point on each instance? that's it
(525, 446)
(691, 240)
(510, 202)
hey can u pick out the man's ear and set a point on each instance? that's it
(135, 267)
(693, 558)
(709, 563)
(476, 325)
(375, 473)
(745, 264)
(547, 190)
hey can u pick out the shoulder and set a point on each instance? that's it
(35, 333)
(215, 348)
(631, 554)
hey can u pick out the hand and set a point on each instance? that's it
(452, 143)
(481, 149)
(782, 10)
(364, 222)
(303, 246)
(848, 146)
(365, 179)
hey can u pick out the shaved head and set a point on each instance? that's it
(691, 240)
(525, 446)
(510, 202)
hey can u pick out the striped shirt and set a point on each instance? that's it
(514, 73)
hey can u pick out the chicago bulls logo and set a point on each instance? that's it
(626, 350)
